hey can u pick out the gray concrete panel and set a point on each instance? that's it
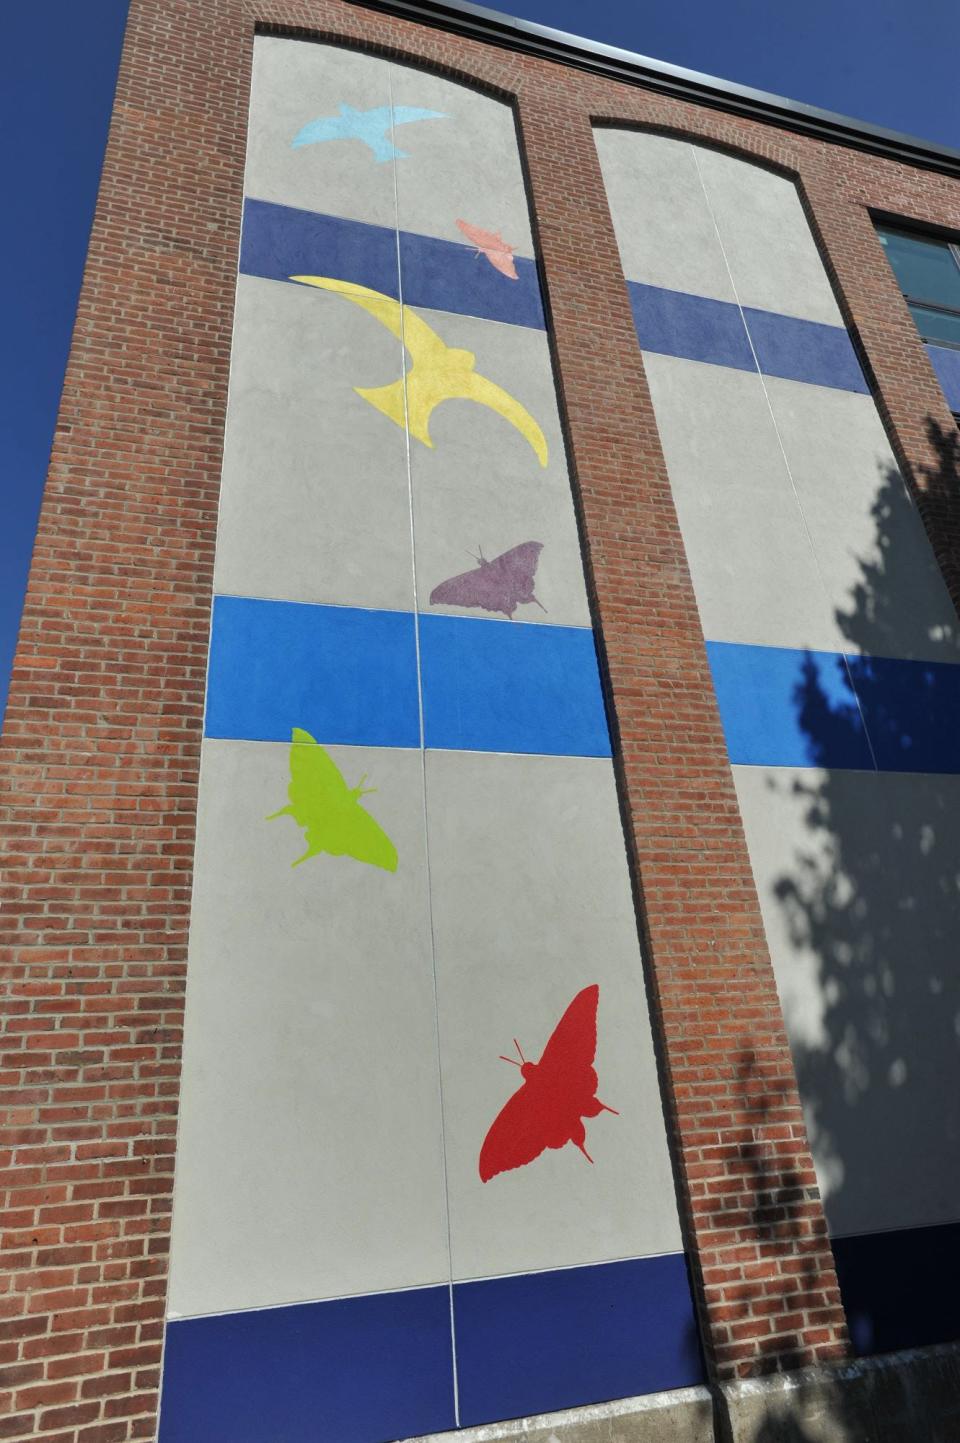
(682, 1415)
(482, 486)
(466, 167)
(294, 84)
(309, 1157)
(752, 565)
(859, 883)
(882, 579)
(664, 228)
(532, 903)
(773, 259)
(315, 501)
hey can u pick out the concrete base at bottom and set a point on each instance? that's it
(682, 1416)
(909, 1397)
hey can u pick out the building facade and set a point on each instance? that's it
(481, 759)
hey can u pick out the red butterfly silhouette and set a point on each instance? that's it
(493, 246)
(557, 1092)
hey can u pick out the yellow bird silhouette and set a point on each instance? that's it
(437, 372)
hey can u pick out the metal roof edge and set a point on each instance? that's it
(481, 23)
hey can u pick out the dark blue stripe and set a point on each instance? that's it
(785, 708)
(511, 687)
(912, 712)
(349, 676)
(804, 351)
(674, 323)
(899, 1289)
(355, 1370)
(280, 242)
(946, 363)
(343, 674)
(545, 1341)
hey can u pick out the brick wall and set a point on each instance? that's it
(101, 744)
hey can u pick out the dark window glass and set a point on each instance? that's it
(928, 272)
(926, 269)
(940, 327)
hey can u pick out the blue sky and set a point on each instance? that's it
(892, 62)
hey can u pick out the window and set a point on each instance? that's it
(928, 271)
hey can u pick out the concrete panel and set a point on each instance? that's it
(309, 1160)
(314, 500)
(531, 904)
(883, 583)
(774, 263)
(464, 504)
(466, 167)
(682, 1415)
(664, 228)
(753, 568)
(294, 83)
(859, 883)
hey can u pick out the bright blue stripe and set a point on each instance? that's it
(349, 676)
(354, 1370)
(946, 363)
(495, 686)
(790, 708)
(345, 675)
(804, 351)
(280, 242)
(545, 1341)
(784, 708)
(674, 323)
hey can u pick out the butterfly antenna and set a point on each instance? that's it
(512, 1060)
(519, 1049)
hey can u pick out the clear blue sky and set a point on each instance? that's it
(892, 62)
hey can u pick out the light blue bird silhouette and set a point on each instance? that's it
(370, 126)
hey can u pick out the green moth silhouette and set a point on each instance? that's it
(329, 811)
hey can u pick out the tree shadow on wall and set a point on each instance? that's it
(864, 924)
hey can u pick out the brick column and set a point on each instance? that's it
(98, 767)
(764, 1271)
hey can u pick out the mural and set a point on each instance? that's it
(369, 126)
(492, 245)
(557, 1093)
(437, 372)
(329, 811)
(834, 649)
(502, 584)
(340, 1022)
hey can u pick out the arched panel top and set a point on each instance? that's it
(321, 140)
(703, 221)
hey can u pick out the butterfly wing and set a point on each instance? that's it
(516, 1136)
(502, 260)
(354, 833)
(566, 1067)
(483, 586)
(329, 812)
(483, 239)
(513, 572)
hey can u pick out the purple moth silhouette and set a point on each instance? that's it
(502, 584)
